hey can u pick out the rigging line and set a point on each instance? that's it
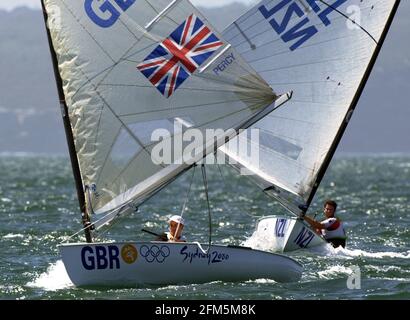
(246, 83)
(286, 52)
(297, 83)
(222, 176)
(317, 102)
(303, 64)
(116, 64)
(97, 182)
(359, 91)
(351, 20)
(108, 71)
(261, 21)
(114, 114)
(290, 139)
(204, 124)
(218, 79)
(91, 36)
(160, 39)
(225, 80)
(129, 30)
(123, 125)
(92, 78)
(171, 137)
(188, 193)
(292, 120)
(150, 194)
(137, 140)
(187, 198)
(144, 32)
(251, 17)
(225, 184)
(281, 156)
(92, 225)
(158, 12)
(268, 29)
(187, 107)
(264, 31)
(209, 207)
(95, 40)
(213, 90)
(109, 226)
(98, 44)
(109, 107)
(119, 132)
(112, 223)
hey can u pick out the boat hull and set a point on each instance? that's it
(287, 234)
(163, 263)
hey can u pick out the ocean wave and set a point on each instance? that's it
(55, 278)
(335, 272)
(354, 253)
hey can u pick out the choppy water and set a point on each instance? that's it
(38, 210)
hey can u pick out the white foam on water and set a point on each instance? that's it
(262, 281)
(355, 253)
(264, 241)
(55, 278)
(261, 241)
(13, 236)
(333, 271)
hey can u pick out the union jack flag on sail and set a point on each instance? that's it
(180, 55)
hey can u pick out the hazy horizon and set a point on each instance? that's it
(29, 107)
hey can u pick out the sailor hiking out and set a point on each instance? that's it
(332, 227)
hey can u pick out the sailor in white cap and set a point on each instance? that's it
(176, 225)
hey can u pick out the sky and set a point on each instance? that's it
(11, 4)
(380, 123)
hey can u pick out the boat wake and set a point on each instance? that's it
(261, 241)
(355, 253)
(55, 278)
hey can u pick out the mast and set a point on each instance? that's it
(69, 134)
(349, 113)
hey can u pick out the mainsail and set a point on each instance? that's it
(129, 67)
(324, 51)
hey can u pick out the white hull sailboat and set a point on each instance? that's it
(126, 72)
(126, 69)
(324, 51)
(286, 234)
(162, 263)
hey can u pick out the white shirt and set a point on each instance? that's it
(333, 231)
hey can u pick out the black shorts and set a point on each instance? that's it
(337, 242)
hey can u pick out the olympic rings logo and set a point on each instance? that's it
(155, 253)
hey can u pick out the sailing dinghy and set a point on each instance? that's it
(324, 51)
(124, 69)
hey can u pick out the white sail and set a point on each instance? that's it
(129, 67)
(323, 51)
